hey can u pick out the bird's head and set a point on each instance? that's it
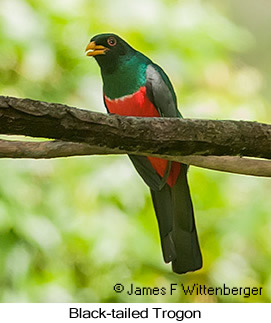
(108, 49)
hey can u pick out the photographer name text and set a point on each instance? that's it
(189, 290)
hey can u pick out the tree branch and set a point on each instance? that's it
(55, 149)
(81, 132)
(162, 136)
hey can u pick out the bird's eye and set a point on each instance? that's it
(111, 41)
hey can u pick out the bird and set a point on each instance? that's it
(133, 85)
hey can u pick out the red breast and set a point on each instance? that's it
(139, 105)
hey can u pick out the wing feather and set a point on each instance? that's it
(160, 92)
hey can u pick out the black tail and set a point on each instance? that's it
(175, 215)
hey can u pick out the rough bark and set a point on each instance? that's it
(161, 136)
(81, 132)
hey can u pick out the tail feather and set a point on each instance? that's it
(175, 215)
(164, 212)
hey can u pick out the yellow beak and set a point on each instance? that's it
(92, 49)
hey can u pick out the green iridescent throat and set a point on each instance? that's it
(128, 76)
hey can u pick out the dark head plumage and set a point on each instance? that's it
(108, 50)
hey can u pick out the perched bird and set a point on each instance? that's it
(134, 86)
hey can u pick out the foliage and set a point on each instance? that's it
(72, 228)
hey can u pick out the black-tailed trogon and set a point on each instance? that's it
(134, 86)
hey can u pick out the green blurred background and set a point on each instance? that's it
(71, 228)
